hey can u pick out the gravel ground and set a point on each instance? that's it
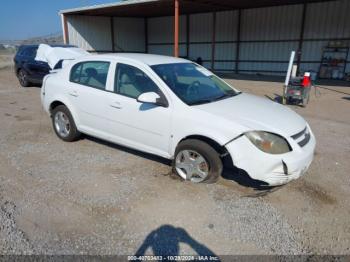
(92, 197)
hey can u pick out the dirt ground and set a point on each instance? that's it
(92, 197)
(6, 59)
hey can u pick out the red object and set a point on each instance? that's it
(306, 81)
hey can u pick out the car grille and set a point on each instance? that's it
(303, 137)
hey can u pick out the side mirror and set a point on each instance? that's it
(152, 98)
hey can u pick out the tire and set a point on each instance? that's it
(196, 148)
(23, 78)
(305, 100)
(64, 125)
(284, 100)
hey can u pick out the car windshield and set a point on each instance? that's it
(193, 84)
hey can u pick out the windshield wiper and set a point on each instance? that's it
(224, 96)
(204, 101)
(221, 97)
(199, 102)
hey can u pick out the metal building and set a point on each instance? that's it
(240, 36)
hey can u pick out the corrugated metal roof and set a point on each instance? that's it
(149, 8)
(102, 6)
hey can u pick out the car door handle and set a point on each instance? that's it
(74, 93)
(116, 105)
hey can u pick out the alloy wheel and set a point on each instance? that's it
(192, 166)
(22, 77)
(62, 124)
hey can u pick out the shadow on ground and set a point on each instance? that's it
(242, 178)
(130, 150)
(165, 241)
(37, 85)
(230, 172)
(278, 98)
(334, 90)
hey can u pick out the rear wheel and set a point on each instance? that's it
(197, 162)
(64, 125)
(284, 100)
(306, 100)
(23, 78)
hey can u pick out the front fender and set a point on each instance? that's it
(199, 123)
(219, 137)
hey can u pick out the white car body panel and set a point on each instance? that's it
(158, 130)
(52, 55)
(270, 170)
(257, 113)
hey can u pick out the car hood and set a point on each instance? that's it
(256, 113)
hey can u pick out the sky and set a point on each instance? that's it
(22, 19)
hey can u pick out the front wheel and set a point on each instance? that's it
(64, 125)
(197, 162)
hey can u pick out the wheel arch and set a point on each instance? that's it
(57, 102)
(220, 149)
(22, 67)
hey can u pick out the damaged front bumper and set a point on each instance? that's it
(272, 169)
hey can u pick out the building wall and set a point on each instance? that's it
(225, 36)
(328, 20)
(90, 33)
(93, 33)
(161, 35)
(129, 34)
(265, 38)
(201, 28)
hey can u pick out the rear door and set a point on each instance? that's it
(87, 91)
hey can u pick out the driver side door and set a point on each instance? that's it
(138, 125)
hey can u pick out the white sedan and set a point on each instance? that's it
(176, 109)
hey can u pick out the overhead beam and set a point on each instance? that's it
(211, 5)
(158, 8)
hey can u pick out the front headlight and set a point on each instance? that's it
(268, 142)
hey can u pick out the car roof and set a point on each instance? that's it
(148, 59)
(23, 46)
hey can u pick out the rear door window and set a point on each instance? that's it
(90, 73)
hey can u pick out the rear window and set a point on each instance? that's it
(28, 51)
(90, 73)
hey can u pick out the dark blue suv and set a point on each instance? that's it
(27, 69)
